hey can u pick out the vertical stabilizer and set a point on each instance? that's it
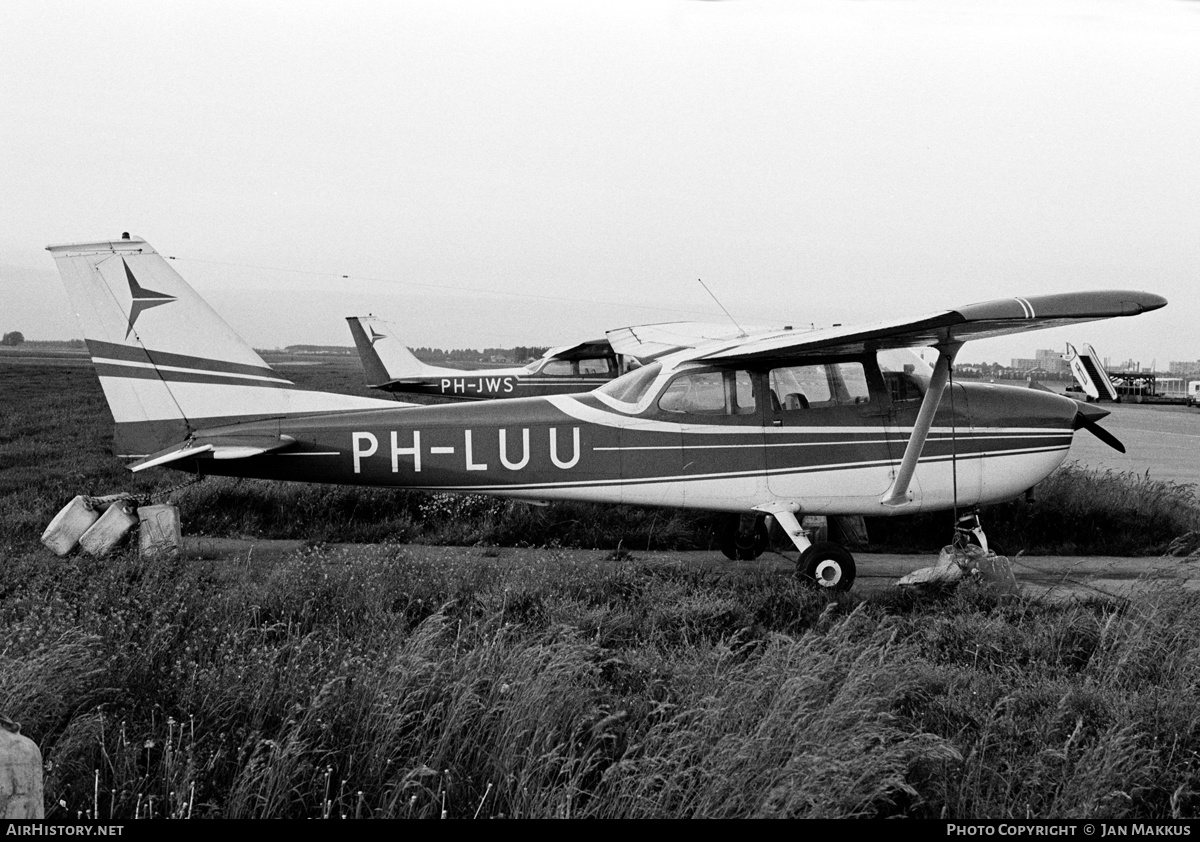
(168, 364)
(384, 357)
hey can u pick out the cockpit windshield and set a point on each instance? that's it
(632, 387)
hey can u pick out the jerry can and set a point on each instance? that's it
(109, 528)
(68, 525)
(158, 530)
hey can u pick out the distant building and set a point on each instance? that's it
(1051, 361)
(1045, 361)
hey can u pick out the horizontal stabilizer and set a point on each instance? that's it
(215, 447)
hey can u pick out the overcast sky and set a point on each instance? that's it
(500, 173)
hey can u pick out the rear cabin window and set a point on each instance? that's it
(599, 365)
(710, 393)
(797, 388)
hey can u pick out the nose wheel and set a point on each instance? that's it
(827, 565)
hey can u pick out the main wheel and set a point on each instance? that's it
(738, 544)
(827, 565)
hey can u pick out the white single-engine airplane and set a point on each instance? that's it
(834, 421)
(391, 367)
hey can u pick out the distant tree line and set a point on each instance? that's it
(1007, 372)
(319, 349)
(12, 338)
(519, 354)
(54, 343)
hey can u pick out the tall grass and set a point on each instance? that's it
(543, 687)
(1076, 511)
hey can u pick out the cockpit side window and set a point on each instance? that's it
(696, 393)
(557, 368)
(710, 393)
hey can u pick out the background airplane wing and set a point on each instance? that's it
(581, 350)
(647, 342)
(975, 321)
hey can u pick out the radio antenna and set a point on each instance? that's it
(722, 306)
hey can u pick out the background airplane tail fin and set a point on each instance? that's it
(384, 357)
(168, 364)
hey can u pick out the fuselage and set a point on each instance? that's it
(501, 383)
(673, 444)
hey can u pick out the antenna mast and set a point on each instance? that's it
(722, 306)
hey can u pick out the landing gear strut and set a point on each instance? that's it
(741, 541)
(823, 564)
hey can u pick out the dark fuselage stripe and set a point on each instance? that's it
(777, 473)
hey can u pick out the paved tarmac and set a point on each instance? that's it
(1052, 578)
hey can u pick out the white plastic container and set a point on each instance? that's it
(68, 525)
(158, 532)
(20, 774)
(109, 528)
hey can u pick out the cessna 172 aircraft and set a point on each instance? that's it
(834, 421)
(390, 366)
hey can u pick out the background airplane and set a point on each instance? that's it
(391, 367)
(836, 421)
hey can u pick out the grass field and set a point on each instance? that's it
(536, 686)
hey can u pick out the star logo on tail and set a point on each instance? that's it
(143, 299)
(375, 337)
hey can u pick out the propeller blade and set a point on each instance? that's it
(1086, 417)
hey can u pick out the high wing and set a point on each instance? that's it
(648, 342)
(946, 330)
(949, 327)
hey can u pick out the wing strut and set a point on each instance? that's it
(897, 494)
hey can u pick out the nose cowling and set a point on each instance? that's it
(1037, 407)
